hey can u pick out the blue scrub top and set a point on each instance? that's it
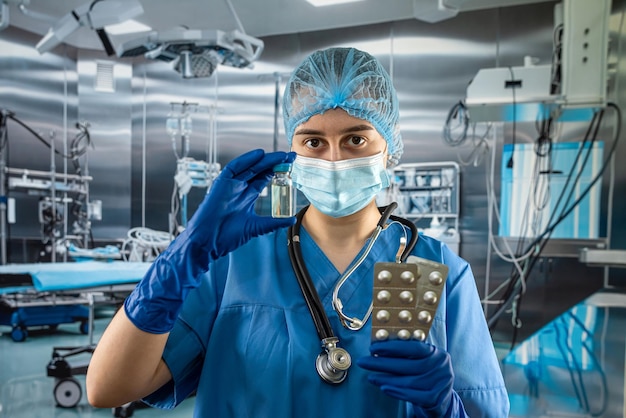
(245, 342)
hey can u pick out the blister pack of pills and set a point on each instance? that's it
(405, 298)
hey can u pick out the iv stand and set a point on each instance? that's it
(3, 192)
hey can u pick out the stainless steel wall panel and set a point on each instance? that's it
(155, 86)
(42, 92)
(109, 114)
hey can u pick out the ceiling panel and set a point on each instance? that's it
(258, 17)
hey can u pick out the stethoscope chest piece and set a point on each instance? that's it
(333, 363)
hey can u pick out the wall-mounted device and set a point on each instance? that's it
(576, 79)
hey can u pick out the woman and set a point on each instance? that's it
(220, 312)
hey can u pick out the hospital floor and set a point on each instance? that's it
(573, 367)
(27, 392)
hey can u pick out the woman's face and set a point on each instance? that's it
(335, 135)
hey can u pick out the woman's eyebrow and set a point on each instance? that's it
(356, 128)
(305, 131)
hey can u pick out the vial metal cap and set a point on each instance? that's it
(282, 168)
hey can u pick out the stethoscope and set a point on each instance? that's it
(333, 362)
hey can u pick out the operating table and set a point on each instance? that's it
(49, 294)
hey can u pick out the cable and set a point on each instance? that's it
(549, 230)
(75, 152)
(480, 148)
(4, 149)
(543, 238)
(4, 136)
(493, 209)
(174, 209)
(595, 122)
(592, 355)
(457, 113)
(555, 82)
(595, 125)
(509, 164)
(567, 363)
(544, 134)
(77, 149)
(145, 244)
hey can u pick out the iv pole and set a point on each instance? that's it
(3, 193)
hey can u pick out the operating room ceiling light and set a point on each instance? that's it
(320, 3)
(194, 52)
(197, 53)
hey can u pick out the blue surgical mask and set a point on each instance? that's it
(340, 188)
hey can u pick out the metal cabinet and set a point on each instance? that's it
(428, 194)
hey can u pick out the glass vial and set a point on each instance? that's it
(283, 196)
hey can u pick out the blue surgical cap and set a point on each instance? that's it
(349, 79)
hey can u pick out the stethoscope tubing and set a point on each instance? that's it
(311, 297)
(318, 314)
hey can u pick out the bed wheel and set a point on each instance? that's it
(19, 334)
(67, 392)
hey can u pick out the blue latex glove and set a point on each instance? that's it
(224, 221)
(416, 372)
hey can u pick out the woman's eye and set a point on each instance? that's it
(357, 140)
(312, 143)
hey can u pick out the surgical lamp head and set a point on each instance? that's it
(195, 52)
(345, 78)
(199, 64)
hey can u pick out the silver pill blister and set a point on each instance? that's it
(405, 298)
